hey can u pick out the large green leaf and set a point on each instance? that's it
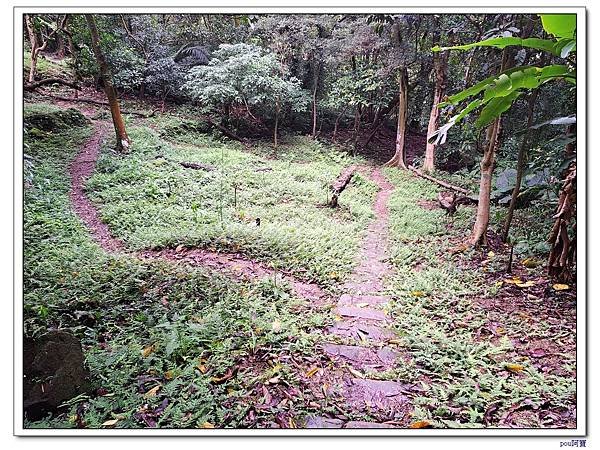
(494, 108)
(525, 77)
(560, 25)
(547, 45)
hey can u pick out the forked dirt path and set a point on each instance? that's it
(237, 265)
(362, 327)
(362, 324)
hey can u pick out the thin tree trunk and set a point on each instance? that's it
(337, 122)
(276, 123)
(520, 165)
(440, 64)
(34, 48)
(123, 141)
(399, 158)
(482, 220)
(314, 100)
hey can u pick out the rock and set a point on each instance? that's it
(53, 369)
(36, 117)
(323, 422)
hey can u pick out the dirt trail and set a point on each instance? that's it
(237, 265)
(362, 326)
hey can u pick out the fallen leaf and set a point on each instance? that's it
(531, 263)
(179, 248)
(207, 425)
(421, 424)
(513, 280)
(225, 377)
(152, 392)
(525, 285)
(514, 367)
(148, 350)
(312, 371)
(354, 372)
(491, 254)
(202, 368)
(169, 375)
(110, 423)
(417, 293)
(560, 287)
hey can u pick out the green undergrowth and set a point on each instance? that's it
(154, 334)
(464, 378)
(150, 201)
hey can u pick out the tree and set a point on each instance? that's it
(244, 75)
(123, 141)
(496, 94)
(39, 40)
(440, 67)
(399, 158)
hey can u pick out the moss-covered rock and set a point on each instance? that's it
(48, 118)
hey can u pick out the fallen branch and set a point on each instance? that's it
(100, 103)
(439, 182)
(47, 81)
(225, 131)
(340, 184)
(197, 166)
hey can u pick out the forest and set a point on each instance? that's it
(325, 221)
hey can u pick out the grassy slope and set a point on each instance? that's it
(118, 306)
(434, 312)
(150, 202)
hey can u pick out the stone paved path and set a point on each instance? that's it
(363, 325)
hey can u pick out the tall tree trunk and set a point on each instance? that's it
(563, 247)
(123, 141)
(440, 64)
(482, 220)
(35, 48)
(520, 165)
(399, 158)
(357, 122)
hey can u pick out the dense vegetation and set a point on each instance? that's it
(231, 133)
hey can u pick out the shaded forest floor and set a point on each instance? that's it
(194, 314)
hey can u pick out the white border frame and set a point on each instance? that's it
(581, 383)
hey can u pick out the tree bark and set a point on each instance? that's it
(123, 141)
(520, 165)
(563, 247)
(340, 184)
(440, 64)
(34, 48)
(399, 158)
(337, 122)
(482, 220)
(314, 99)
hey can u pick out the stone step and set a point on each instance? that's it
(323, 422)
(361, 313)
(364, 287)
(362, 424)
(362, 357)
(370, 300)
(362, 332)
(380, 395)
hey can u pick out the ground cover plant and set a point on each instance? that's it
(323, 221)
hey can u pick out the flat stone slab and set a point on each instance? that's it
(370, 300)
(376, 394)
(362, 424)
(362, 332)
(364, 287)
(323, 422)
(362, 356)
(361, 313)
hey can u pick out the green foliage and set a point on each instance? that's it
(244, 74)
